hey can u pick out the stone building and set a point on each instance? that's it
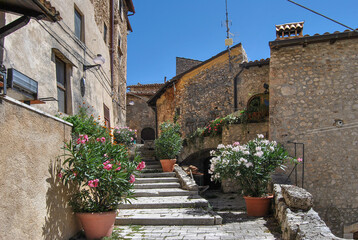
(139, 115)
(309, 85)
(200, 93)
(55, 57)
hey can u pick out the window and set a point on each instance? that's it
(61, 85)
(258, 107)
(105, 32)
(79, 29)
(120, 53)
(107, 118)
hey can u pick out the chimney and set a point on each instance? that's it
(289, 30)
(165, 79)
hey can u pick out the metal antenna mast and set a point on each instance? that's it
(228, 35)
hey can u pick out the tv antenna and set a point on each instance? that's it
(228, 40)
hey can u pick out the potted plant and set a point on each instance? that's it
(168, 145)
(100, 176)
(251, 165)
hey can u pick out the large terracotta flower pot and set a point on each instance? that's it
(258, 206)
(168, 164)
(97, 225)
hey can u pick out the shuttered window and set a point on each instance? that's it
(106, 116)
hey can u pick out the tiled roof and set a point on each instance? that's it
(306, 39)
(258, 63)
(146, 85)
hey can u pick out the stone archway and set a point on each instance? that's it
(147, 134)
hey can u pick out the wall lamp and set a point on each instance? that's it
(98, 60)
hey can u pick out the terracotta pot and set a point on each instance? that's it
(168, 164)
(258, 206)
(97, 225)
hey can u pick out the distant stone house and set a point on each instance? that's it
(139, 115)
(310, 87)
(54, 57)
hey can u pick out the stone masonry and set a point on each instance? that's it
(184, 64)
(314, 100)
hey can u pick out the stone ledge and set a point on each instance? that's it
(185, 181)
(298, 224)
(297, 198)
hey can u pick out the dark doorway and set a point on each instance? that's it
(147, 134)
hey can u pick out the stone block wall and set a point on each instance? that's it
(244, 132)
(33, 202)
(314, 100)
(202, 94)
(184, 64)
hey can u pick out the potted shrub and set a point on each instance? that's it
(251, 165)
(168, 145)
(100, 175)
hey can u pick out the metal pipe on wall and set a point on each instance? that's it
(112, 43)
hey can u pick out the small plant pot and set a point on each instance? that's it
(168, 164)
(258, 206)
(97, 225)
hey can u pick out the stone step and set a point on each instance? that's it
(152, 170)
(152, 163)
(155, 175)
(159, 192)
(176, 216)
(156, 180)
(156, 185)
(165, 202)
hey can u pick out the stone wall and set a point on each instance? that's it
(293, 210)
(202, 94)
(313, 100)
(45, 41)
(251, 82)
(33, 202)
(244, 132)
(184, 64)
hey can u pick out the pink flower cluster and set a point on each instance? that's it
(131, 178)
(102, 139)
(93, 183)
(141, 166)
(299, 159)
(107, 165)
(119, 167)
(82, 139)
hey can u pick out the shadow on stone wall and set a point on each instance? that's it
(59, 214)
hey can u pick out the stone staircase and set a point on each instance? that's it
(160, 200)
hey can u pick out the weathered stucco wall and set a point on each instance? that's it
(33, 203)
(45, 41)
(312, 87)
(202, 94)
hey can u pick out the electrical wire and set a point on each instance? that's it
(322, 15)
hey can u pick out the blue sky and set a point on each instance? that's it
(166, 29)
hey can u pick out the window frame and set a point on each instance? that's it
(82, 25)
(105, 32)
(60, 86)
(107, 119)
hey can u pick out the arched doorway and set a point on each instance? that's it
(147, 134)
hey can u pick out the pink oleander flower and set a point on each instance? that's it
(86, 137)
(132, 179)
(60, 175)
(118, 168)
(108, 166)
(116, 128)
(93, 183)
(236, 144)
(83, 141)
(78, 141)
(98, 139)
(106, 162)
(299, 159)
(105, 155)
(103, 139)
(140, 166)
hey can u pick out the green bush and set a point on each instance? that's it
(169, 143)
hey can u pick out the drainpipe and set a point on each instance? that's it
(235, 88)
(112, 43)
